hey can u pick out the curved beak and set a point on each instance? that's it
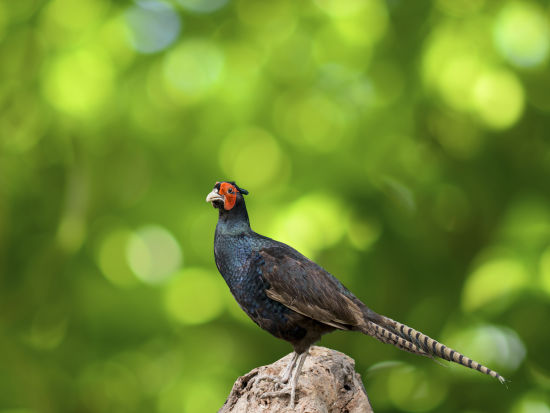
(214, 196)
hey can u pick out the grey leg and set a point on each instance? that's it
(288, 370)
(290, 389)
(283, 379)
(301, 359)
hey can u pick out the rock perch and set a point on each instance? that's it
(328, 384)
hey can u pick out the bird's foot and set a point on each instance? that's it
(285, 391)
(289, 379)
(279, 381)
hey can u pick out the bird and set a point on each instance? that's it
(295, 299)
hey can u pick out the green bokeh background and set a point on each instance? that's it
(403, 145)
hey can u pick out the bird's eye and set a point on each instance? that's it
(230, 190)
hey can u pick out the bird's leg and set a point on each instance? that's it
(288, 370)
(301, 360)
(283, 379)
(291, 388)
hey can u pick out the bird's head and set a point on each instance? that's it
(225, 195)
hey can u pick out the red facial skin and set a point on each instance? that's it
(230, 194)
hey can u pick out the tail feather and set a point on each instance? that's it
(406, 338)
(386, 336)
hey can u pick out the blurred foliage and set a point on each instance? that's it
(403, 145)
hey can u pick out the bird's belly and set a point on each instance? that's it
(269, 314)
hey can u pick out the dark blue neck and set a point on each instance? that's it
(234, 221)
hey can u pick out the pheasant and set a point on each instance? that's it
(295, 299)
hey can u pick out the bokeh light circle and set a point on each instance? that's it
(532, 402)
(498, 98)
(311, 223)
(522, 34)
(314, 121)
(496, 279)
(456, 78)
(153, 25)
(413, 390)
(62, 17)
(79, 83)
(497, 346)
(153, 254)
(192, 69)
(195, 296)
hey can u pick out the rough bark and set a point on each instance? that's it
(328, 384)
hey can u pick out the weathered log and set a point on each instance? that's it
(328, 384)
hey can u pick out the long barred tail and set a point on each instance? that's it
(406, 338)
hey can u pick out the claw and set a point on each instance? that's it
(268, 377)
(290, 389)
(286, 391)
(277, 393)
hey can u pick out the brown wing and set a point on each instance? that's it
(303, 286)
(300, 284)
